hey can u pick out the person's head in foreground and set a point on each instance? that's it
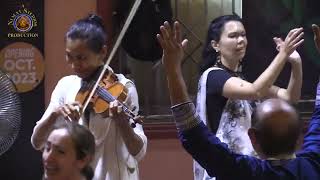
(275, 129)
(68, 152)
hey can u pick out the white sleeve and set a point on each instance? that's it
(57, 99)
(38, 139)
(133, 103)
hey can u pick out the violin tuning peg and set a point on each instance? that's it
(133, 125)
(139, 119)
(134, 108)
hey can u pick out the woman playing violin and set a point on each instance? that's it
(118, 146)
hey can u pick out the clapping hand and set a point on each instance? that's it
(293, 40)
(293, 57)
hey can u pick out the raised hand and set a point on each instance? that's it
(292, 41)
(316, 36)
(293, 57)
(172, 45)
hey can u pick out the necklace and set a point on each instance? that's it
(233, 73)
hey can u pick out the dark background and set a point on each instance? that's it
(21, 161)
(266, 19)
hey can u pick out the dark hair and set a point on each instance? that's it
(91, 30)
(209, 55)
(84, 143)
(274, 142)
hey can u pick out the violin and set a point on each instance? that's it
(109, 89)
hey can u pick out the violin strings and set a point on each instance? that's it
(108, 97)
(105, 94)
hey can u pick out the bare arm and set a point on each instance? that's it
(293, 92)
(41, 131)
(134, 139)
(241, 89)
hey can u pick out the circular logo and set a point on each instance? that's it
(23, 23)
(24, 64)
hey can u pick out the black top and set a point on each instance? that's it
(215, 102)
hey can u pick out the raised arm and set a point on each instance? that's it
(293, 91)
(172, 46)
(241, 89)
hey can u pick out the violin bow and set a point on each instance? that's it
(113, 51)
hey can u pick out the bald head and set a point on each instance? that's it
(275, 113)
(277, 127)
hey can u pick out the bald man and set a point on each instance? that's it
(274, 131)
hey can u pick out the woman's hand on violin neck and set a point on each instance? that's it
(70, 111)
(172, 45)
(133, 142)
(116, 113)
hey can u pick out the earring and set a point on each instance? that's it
(240, 67)
(218, 58)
